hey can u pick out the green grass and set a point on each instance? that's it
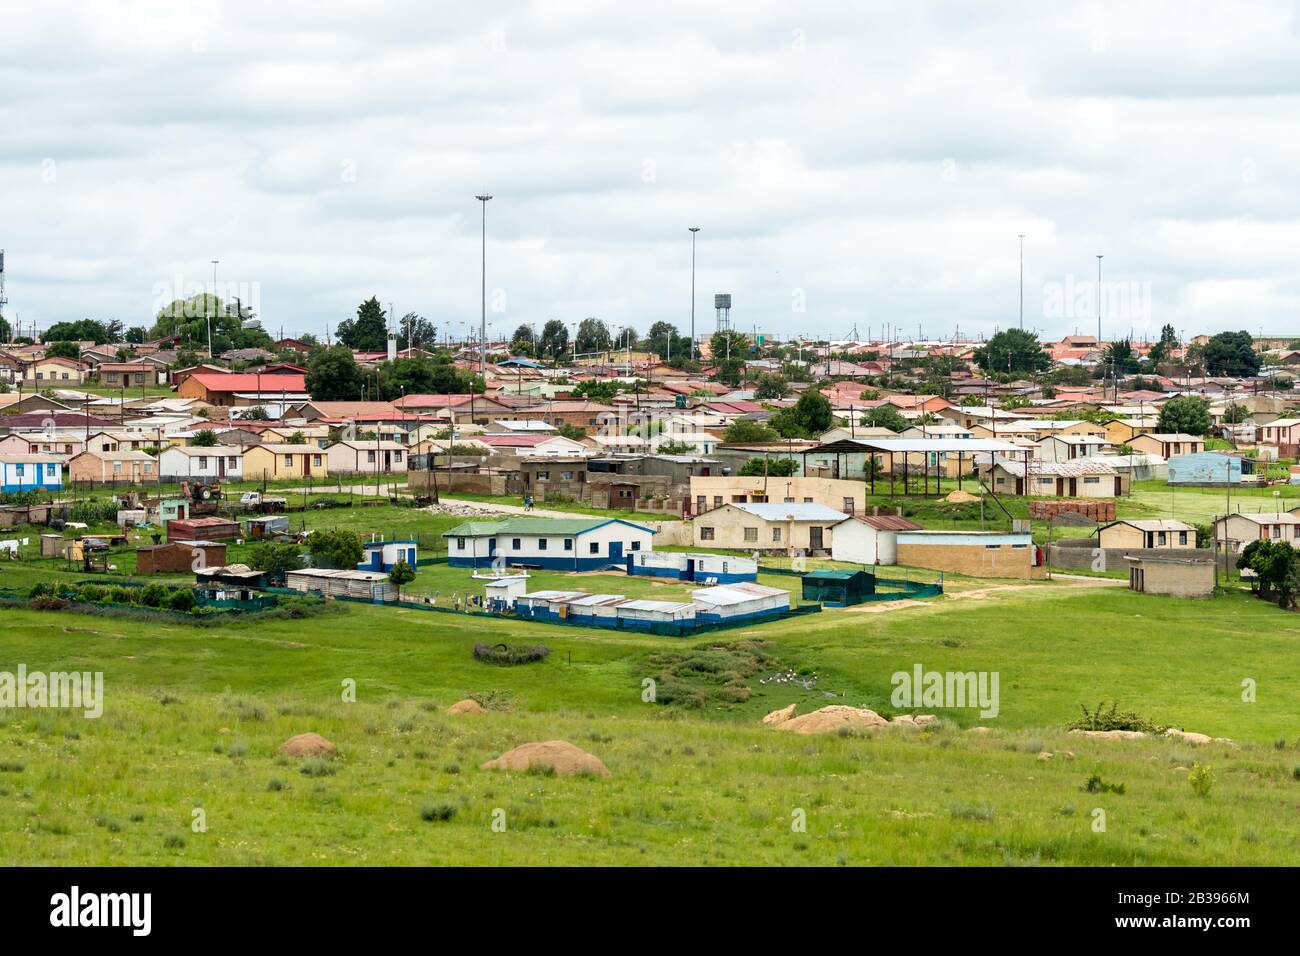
(194, 717)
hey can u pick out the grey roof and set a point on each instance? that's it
(790, 511)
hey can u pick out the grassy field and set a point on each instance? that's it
(194, 717)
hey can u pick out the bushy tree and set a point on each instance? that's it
(63, 349)
(593, 336)
(885, 416)
(757, 467)
(335, 549)
(554, 340)
(771, 386)
(745, 431)
(333, 375)
(1231, 354)
(204, 438)
(807, 418)
(275, 557)
(1185, 414)
(1013, 351)
(368, 332)
(401, 573)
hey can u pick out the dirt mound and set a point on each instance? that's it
(308, 745)
(559, 755)
(466, 706)
(832, 718)
(780, 716)
(1111, 734)
(960, 497)
(914, 720)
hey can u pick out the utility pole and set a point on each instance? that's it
(694, 230)
(482, 359)
(1099, 302)
(208, 311)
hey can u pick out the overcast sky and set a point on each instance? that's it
(848, 163)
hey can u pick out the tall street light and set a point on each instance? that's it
(1022, 281)
(208, 312)
(694, 230)
(1099, 258)
(482, 356)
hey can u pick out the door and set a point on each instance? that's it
(616, 552)
(1074, 487)
(221, 466)
(306, 465)
(1020, 486)
(690, 569)
(1117, 486)
(815, 539)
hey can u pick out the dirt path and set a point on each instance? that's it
(1071, 582)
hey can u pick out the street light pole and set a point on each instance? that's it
(694, 230)
(482, 357)
(1022, 280)
(208, 312)
(1099, 301)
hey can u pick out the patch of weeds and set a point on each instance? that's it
(275, 784)
(236, 751)
(11, 766)
(166, 699)
(710, 674)
(502, 700)
(1096, 784)
(970, 811)
(1201, 778)
(173, 842)
(437, 812)
(451, 768)
(316, 767)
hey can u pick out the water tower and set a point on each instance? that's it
(722, 302)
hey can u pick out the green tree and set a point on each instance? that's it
(1120, 358)
(554, 340)
(368, 332)
(63, 349)
(885, 416)
(1235, 413)
(1231, 354)
(746, 431)
(6, 330)
(596, 390)
(1185, 414)
(771, 386)
(333, 375)
(521, 343)
(807, 418)
(593, 336)
(401, 573)
(334, 549)
(275, 557)
(81, 331)
(571, 432)
(204, 438)
(758, 467)
(729, 349)
(1013, 351)
(416, 332)
(674, 447)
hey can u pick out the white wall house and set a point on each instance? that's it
(566, 544)
(366, 458)
(218, 462)
(869, 539)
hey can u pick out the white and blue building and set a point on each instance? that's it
(1209, 468)
(729, 603)
(688, 566)
(382, 555)
(30, 473)
(551, 544)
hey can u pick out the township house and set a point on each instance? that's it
(127, 374)
(767, 527)
(1069, 447)
(714, 491)
(112, 466)
(1238, 530)
(870, 539)
(1083, 478)
(30, 473)
(366, 457)
(1284, 433)
(532, 445)
(285, 461)
(56, 369)
(215, 462)
(559, 544)
(1167, 445)
(1148, 534)
(236, 389)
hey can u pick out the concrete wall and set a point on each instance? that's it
(1180, 579)
(1066, 555)
(977, 560)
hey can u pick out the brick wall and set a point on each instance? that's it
(976, 560)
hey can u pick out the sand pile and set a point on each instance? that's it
(308, 745)
(558, 755)
(466, 706)
(780, 716)
(960, 497)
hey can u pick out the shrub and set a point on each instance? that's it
(153, 595)
(1096, 784)
(48, 602)
(508, 656)
(440, 812)
(182, 600)
(120, 595)
(91, 593)
(1114, 719)
(1202, 779)
(316, 767)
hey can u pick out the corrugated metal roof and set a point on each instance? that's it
(533, 526)
(887, 522)
(791, 511)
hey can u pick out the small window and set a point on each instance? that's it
(807, 501)
(203, 461)
(288, 461)
(751, 534)
(460, 544)
(541, 544)
(776, 535)
(370, 457)
(568, 544)
(595, 547)
(1162, 539)
(636, 546)
(514, 544)
(717, 501)
(315, 459)
(1182, 535)
(706, 534)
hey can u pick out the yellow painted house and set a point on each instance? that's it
(1120, 431)
(285, 461)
